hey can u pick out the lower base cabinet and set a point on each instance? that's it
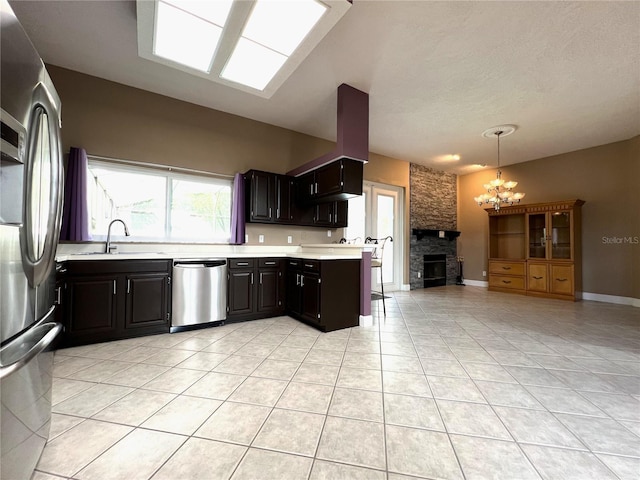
(325, 294)
(103, 300)
(256, 288)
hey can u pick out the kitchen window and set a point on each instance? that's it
(158, 204)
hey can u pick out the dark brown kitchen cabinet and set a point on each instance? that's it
(256, 288)
(241, 286)
(332, 214)
(339, 180)
(325, 294)
(269, 197)
(261, 191)
(147, 301)
(92, 308)
(113, 299)
(284, 197)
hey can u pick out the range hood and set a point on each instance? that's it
(352, 139)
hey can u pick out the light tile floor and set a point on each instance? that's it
(453, 383)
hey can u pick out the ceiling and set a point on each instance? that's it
(438, 73)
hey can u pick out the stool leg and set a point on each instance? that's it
(384, 307)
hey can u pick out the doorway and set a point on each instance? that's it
(378, 213)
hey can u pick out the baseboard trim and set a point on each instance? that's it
(600, 297)
(476, 283)
(405, 287)
(366, 319)
(595, 297)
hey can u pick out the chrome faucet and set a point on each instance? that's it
(112, 248)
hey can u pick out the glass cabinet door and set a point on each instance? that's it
(560, 235)
(537, 235)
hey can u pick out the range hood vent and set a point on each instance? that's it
(352, 139)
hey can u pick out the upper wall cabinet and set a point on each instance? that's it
(339, 180)
(269, 197)
(272, 198)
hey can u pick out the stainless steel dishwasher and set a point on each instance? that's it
(199, 293)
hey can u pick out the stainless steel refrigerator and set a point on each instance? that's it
(30, 213)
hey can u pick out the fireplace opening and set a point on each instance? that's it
(435, 270)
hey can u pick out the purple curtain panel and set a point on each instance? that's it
(75, 214)
(237, 210)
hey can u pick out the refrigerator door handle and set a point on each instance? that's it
(37, 260)
(17, 353)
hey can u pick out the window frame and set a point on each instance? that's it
(170, 174)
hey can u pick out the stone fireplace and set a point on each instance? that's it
(433, 214)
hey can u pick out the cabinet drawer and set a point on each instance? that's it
(269, 262)
(504, 281)
(311, 265)
(506, 268)
(241, 262)
(294, 263)
(562, 279)
(537, 277)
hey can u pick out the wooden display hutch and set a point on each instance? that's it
(535, 249)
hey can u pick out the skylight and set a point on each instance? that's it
(282, 25)
(272, 33)
(250, 45)
(188, 32)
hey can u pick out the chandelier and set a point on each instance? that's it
(499, 192)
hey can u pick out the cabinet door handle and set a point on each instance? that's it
(260, 278)
(297, 279)
(311, 189)
(316, 187)
(114, 287)
(506, 281)
(330, 217)
(562, 279)
(128, 286)
(308, 265)
(537, 278)
(269, 211)
(251, 278)
(302, 280)
(293, 263)
(58, 296)
(277, 213)
(269, 263)
(506, 268)
(242, 264)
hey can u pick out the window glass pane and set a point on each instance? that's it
(386, 207)
(193, 208)
(136, 198)
(356, 217)
(200, 210)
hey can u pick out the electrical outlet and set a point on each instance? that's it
(289, 239)
(260, 238)
(419, 274)
(484, 273)
(246, 238)
(328, 233)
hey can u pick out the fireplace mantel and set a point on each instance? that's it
(420, 233)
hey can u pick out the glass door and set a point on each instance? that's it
(377, 214)
(560, 235)
(537, 242)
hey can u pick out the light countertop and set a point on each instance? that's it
(67, 252)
